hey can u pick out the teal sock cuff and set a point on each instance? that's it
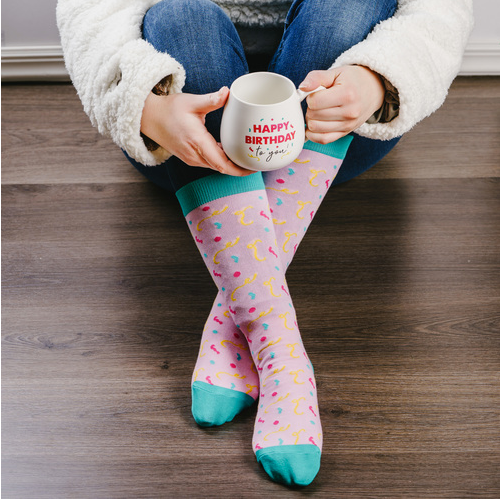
(337, 149)
(216, 186)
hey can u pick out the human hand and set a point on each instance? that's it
(352, 95)
(177, 123)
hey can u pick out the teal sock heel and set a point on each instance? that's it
(293, 465)
(213, 405)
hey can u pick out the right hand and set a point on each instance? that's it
(177, 123)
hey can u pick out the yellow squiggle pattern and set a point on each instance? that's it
(301, 161)
(302, 205)
(229, 244)
(253, 246)
(246, 282)
(241, 215)
(281, 398)
(281, 429)
(278, 222)
(251, 388)
(196, 373)
(274, 372)
(284, 316)
(201, 349)
(284, 190)
(288, 236)
(265, 347)
(270, 285)
(236, 345)
(295, 377)
(292, 350)
(261, 315)
(315, 174)
(236, 375)
(215, 212)
(297, 403)
(297, 434)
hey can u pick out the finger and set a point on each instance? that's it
(337, 113)
(334, 97)
(209, 102)
(196, 158)
(215, 158)
(326, 127)
(319, 77)
(326, 138)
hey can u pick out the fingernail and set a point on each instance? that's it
(304, 84)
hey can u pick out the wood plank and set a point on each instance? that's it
(48, 139)
(397, 290)
(45, 126)
(460, 140)
(98, 347)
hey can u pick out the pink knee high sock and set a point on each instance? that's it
(294, 195)
(289, 452)
(241, 255)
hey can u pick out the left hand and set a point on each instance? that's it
(352, 95)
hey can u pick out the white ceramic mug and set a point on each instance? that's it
(263, 125)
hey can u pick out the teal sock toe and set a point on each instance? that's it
(293, 465)
(213, 405)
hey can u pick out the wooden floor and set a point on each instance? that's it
(104, 298)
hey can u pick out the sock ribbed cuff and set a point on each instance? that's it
(337, 149)
(216, 186)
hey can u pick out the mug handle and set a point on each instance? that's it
(302, 95)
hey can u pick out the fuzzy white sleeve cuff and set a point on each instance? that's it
(419, 51)
(113, 69)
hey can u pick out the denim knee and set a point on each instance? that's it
(201, 37)
(350, 20)
(169, 21)
(355, 19)
(321, 30)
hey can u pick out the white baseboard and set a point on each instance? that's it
(46, 63)
(481, 59)
(36, 63)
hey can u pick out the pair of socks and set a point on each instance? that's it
(247, 230)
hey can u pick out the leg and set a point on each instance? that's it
(320, 162)
(203, 39)
(316, 33)
(294, 194)
(232, 225)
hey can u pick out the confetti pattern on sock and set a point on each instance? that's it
(225, 380)
(311, 175)
(254, 287)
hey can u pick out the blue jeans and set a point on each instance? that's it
(199, 35)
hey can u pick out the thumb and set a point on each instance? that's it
(210, 102)
(319, 77)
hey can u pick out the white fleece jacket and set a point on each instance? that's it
(418, 50)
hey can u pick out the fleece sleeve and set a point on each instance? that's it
(113, 69)
(419, 51)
